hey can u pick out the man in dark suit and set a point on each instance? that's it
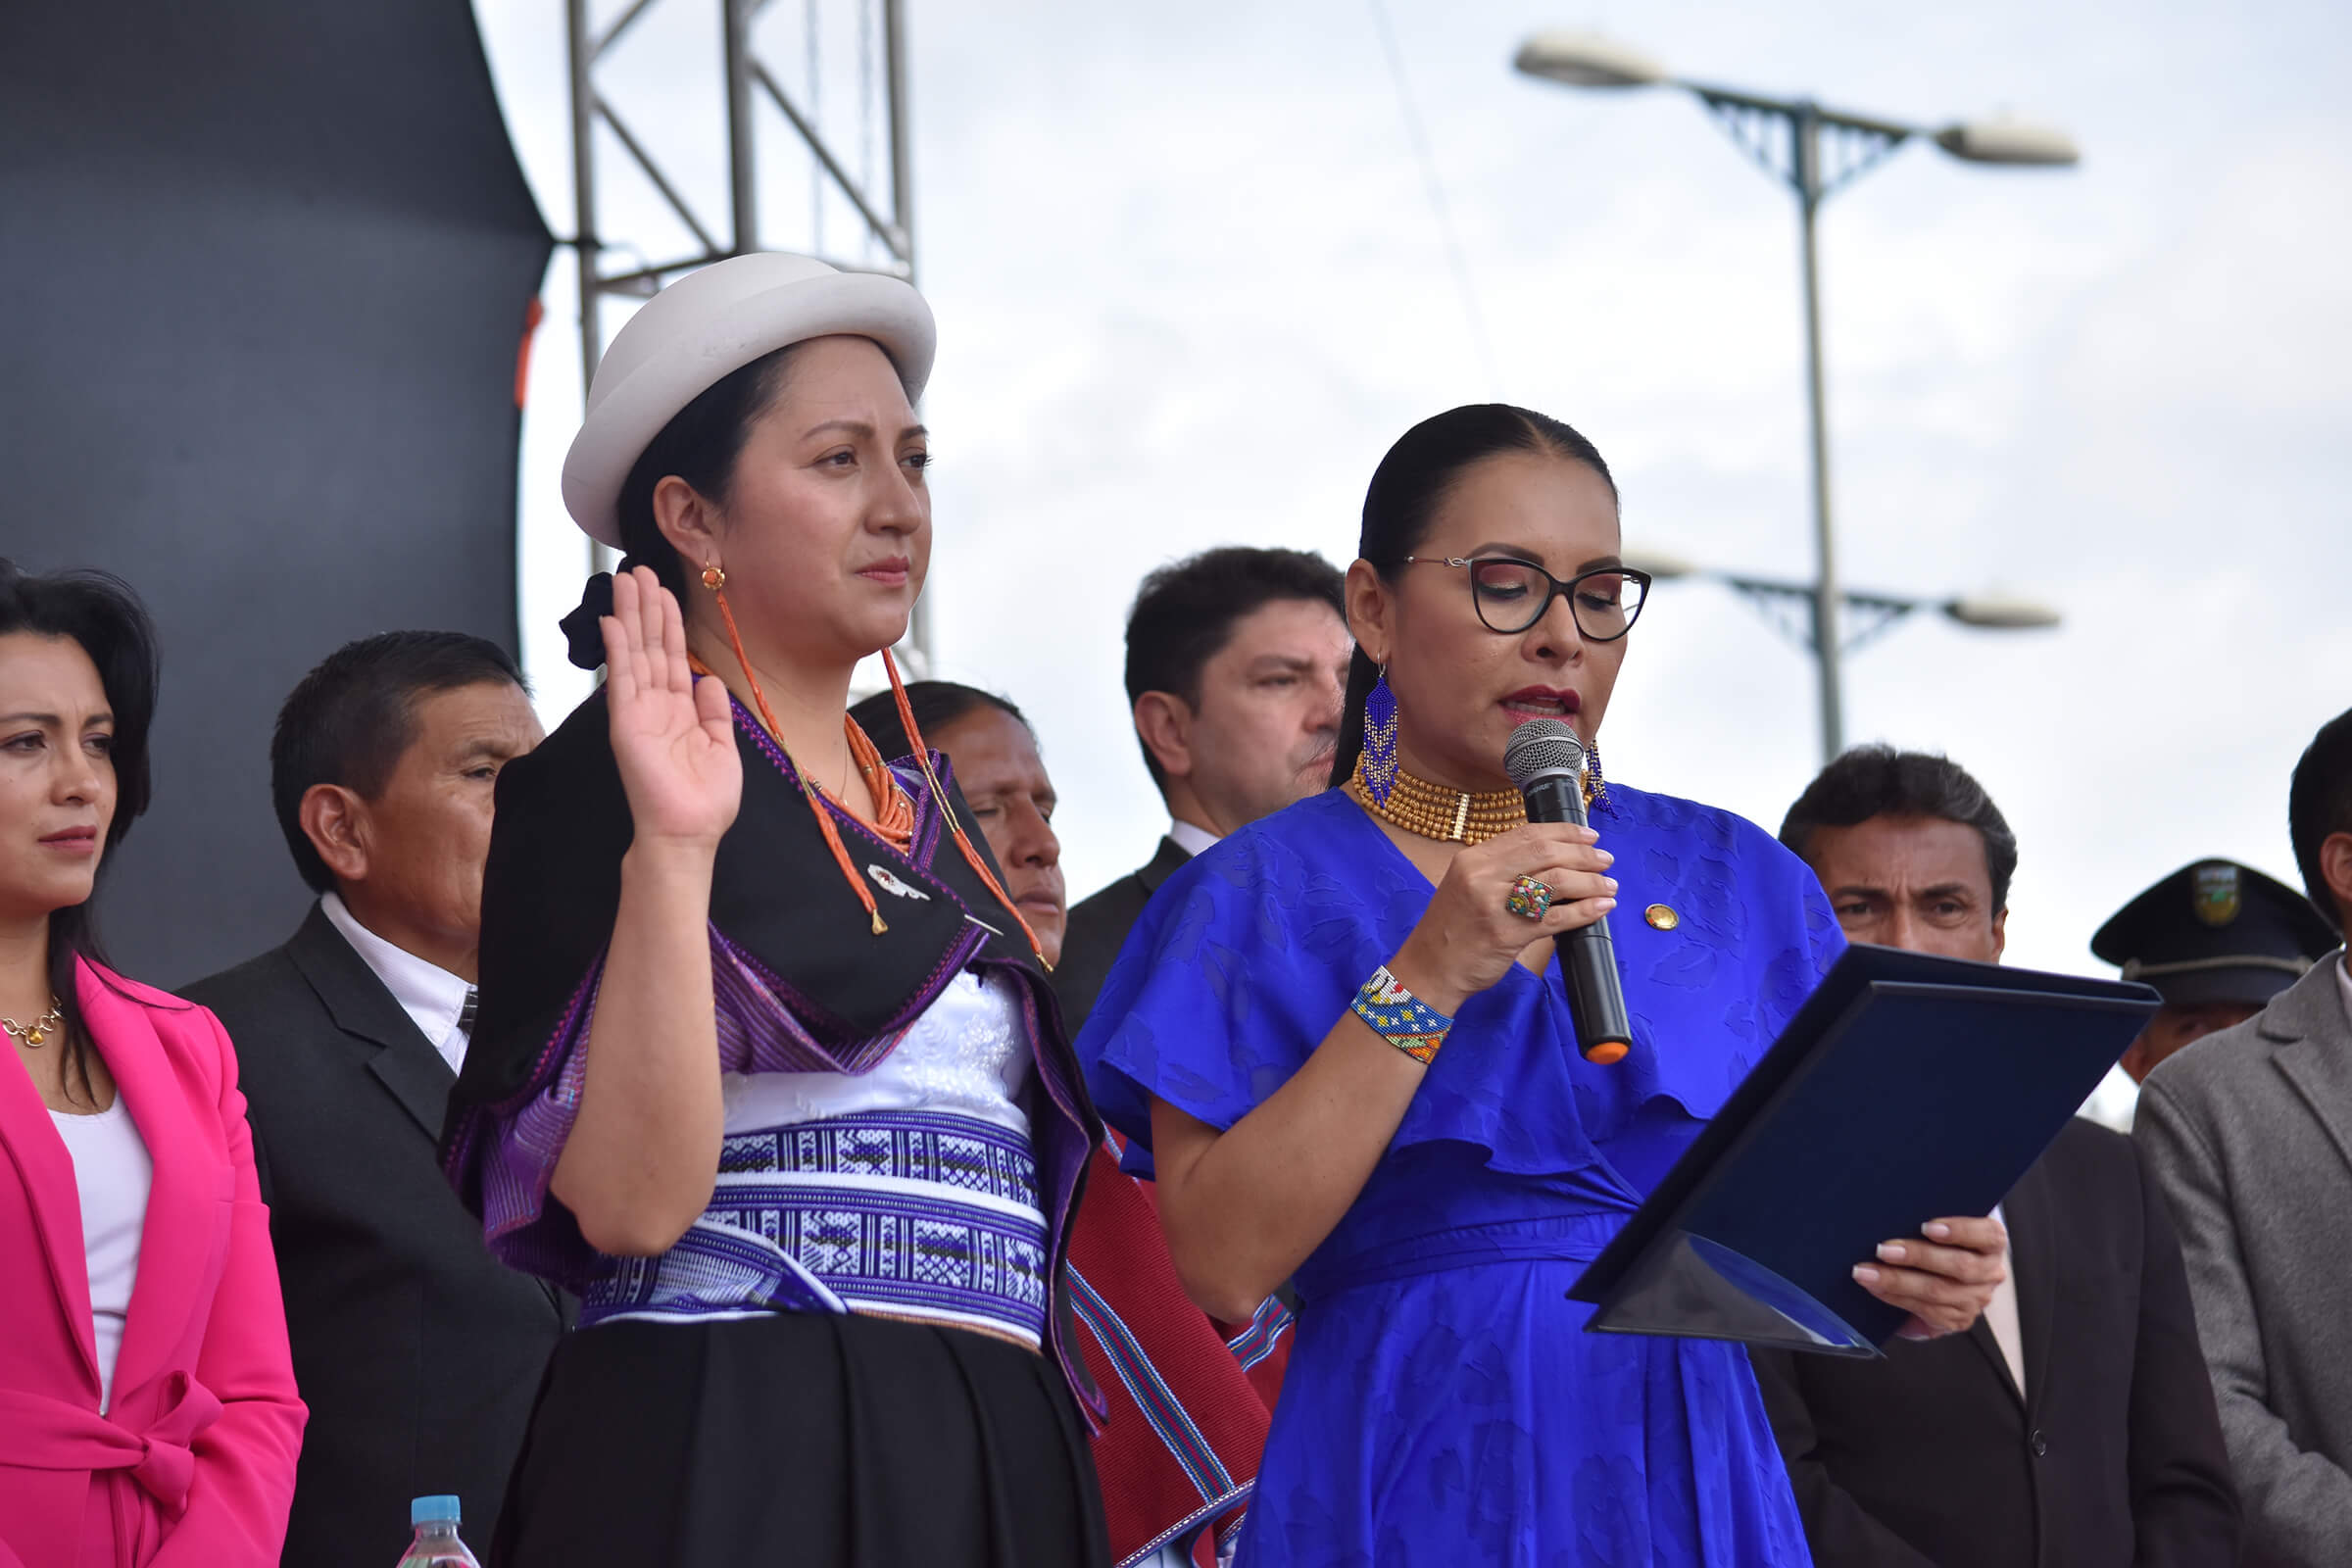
(2074, 1426)
(1237, 662)
(420, 1353)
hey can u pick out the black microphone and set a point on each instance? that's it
(1546, 760)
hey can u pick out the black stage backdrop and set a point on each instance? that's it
(263, 273)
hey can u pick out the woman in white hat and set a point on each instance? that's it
(766, 1069)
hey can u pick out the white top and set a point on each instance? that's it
(1190, 839)
(2343, 983)
(964, 1056)
(112, 1173)
(427, 993)
(2001, 1315)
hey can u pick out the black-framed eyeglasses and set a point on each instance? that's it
(1511, 595)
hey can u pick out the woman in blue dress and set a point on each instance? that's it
(1340, 1042)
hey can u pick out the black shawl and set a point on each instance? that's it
(552, 888)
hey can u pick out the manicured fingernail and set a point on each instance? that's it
(1935, 1230)
(1606, 905)
(1891, 1253)
(1610, 882)
(1866, 1275)
(1606, 859)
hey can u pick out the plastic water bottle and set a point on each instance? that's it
(436, 1544)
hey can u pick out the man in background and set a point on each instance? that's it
(418, 1352)
(2250, 1135)
(2072, 1427)
(1237, 662)
(2218, 941)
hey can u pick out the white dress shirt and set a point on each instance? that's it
(427, 993)
(2343, 982)
(2001, 1315)
(1190, 839)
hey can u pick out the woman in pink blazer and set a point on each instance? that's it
(147, 1404)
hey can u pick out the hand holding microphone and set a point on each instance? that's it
(1469, 938)
(1482, 918)
(1546, 760)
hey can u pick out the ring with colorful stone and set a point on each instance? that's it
(1529, 899)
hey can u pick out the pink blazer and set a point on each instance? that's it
(194, 1464)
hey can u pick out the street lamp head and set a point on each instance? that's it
(1996, 613)
(1587, 60)
(2016, 142)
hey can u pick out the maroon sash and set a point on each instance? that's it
(1187, 1421)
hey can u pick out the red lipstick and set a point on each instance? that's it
(1541, 702)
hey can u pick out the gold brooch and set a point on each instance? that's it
(1661, 918)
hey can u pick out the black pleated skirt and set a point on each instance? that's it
(801, 1440)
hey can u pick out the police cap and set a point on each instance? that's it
(2216, 931)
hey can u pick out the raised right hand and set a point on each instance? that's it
(1468, 939)
(673, 737)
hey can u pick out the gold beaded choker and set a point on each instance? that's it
(1434, 811)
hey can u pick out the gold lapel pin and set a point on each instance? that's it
(1661, 918)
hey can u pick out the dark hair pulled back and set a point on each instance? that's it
(1401, 503)
(100, 613)
(700, 445)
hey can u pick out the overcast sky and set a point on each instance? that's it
(1191, 285)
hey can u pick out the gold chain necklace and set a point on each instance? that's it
(37, 1033)
(1435, 811)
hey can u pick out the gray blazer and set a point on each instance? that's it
(2250, 1135)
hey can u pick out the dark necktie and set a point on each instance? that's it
(466, 1013)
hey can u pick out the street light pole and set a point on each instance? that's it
(1804, 127)
(1582, 60)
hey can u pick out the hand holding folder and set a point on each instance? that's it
(1908, 1087)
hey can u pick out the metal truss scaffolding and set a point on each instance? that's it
(882, 235)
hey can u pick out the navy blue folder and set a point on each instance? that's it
(1908, 1087)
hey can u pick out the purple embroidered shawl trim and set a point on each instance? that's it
(758, 1031)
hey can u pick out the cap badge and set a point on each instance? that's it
(2216, 894)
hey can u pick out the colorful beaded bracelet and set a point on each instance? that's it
(1399, 1018)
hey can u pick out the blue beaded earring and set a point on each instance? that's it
(1597, 788)
(1378, 764)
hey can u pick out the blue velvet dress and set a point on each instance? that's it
(1444, 1406)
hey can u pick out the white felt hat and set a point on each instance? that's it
(707, 324)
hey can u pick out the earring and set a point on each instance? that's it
(1597, 788)
(1378, 764)
(715, 577)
